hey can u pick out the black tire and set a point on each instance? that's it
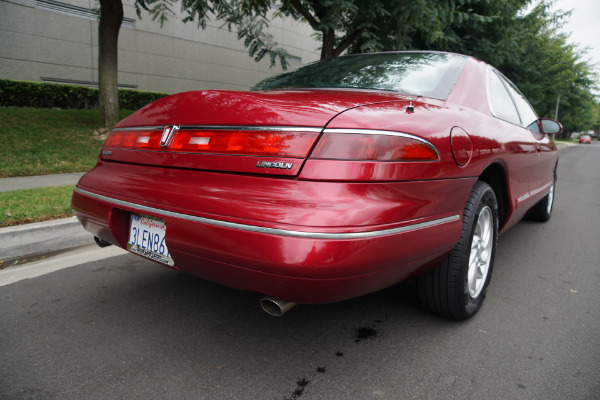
(448, 290)
(542, 211)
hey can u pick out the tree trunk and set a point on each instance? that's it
(328, 44)
(111, 17)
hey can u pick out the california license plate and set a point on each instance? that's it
(147, 238)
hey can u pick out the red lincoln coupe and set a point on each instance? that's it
(335, 180)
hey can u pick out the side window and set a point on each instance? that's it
(501, 104)
(528, 116)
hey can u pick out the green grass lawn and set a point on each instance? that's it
(48, 141)
(41, 142)
(34, 205)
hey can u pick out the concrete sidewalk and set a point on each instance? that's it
(31, 182)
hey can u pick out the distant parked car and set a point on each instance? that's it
(332, 181)
(585, 139)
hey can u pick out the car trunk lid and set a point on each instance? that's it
(249, 132)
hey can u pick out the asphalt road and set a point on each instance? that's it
(125, 328)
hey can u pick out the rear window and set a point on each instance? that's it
(416, 73)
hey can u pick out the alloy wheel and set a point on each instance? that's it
(481, 250)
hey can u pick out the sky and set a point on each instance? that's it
(583, 26)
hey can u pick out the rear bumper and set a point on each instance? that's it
(293, 262)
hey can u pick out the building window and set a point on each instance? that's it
(76, 11)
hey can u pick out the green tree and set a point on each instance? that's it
(425, 24)
(357, 25)
(545, 66)
(529, 48)
(111, 17)
(339, 23)
(597, 123)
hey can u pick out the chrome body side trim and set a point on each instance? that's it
(533, 192)
(536, 191)
(523, 198)
(273, 231)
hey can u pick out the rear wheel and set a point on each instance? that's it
(542, 211)
(457, 287)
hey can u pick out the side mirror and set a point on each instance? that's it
(550, 127)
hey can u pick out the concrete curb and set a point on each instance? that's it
(24, 241)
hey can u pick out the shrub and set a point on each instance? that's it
(51, 95)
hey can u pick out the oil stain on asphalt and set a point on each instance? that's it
(360, 335)
(364, 334)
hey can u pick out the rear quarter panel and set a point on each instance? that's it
(528, 159)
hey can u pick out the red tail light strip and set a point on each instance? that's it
(135, 139)
(276, 141)
(254, 141)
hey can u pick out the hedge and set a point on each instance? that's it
(51, 95)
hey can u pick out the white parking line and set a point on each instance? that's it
(69, 259)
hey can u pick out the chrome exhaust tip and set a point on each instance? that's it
(276, 307)
(101, 242)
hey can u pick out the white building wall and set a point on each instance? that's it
(37, 44)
